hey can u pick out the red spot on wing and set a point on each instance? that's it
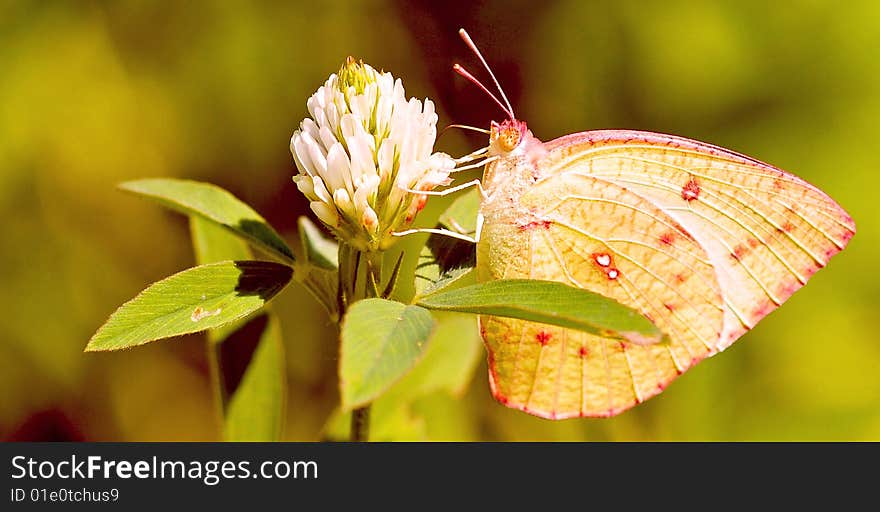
(623, 346)
(679, 278)
(583, 352)
(788, 227)
(543, 337)
(691, 190)
(669, 307)
(754, 242)
(667, 238)
(605, 262)
(534, 224)
(832, 251)
(738, 252)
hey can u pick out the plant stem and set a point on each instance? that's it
(218, 383)
(360, 424)
(353, 263)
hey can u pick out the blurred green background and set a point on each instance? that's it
(94, 93)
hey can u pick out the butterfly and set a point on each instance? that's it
(701, 240)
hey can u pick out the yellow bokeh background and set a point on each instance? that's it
(94, 93)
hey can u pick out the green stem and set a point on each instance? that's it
(218, 384)
(352, 265)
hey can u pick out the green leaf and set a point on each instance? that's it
(447, 368)
(444, 260)
(391, 285)
(196, 299)
(453, 352)
(318, 250)
(255, 410)
(548, 302)
(212, 243)
(449, 279)
(381, 341)
(252, 353)
(462, 213)
(216, 204)
(319, 272)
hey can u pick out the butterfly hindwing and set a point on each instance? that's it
(766, 231)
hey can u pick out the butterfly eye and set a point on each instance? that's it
(509, 138)
(505, 137)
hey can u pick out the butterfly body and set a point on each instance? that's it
(701, 240)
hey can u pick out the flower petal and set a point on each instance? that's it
(305, 185)
(338, 174)
(326, 213)
(302, 155)
(321, 190)
(343, 202)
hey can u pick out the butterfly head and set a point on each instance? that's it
(508, 136)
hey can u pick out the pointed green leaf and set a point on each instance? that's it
(212, 243)
(548, 302)
(447, 368)
(256, 402)
(255, 411)
(447, 261)
(453, 352)
(391, 285)
(318, 250)
(380, 341)
(216, 204)
(319, 272)
(455, 277)
(462, 213)
(196, 299)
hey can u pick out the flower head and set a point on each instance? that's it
(361, 153)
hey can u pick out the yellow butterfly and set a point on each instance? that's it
(703, 241)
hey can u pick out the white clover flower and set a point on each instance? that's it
(362, 151)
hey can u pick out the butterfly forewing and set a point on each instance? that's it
(765, 230)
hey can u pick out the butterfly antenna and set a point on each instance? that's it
(470, 42)
(463, 72)
(465, 127)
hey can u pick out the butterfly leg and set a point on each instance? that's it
(445, 232)
(436, 231)
(474, 183)
(452, 234)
